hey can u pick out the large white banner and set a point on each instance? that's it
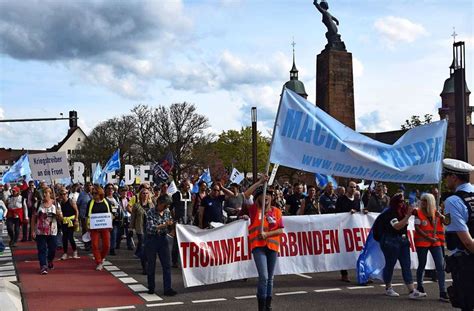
(309, 139)
(49, 166)
(316, 243)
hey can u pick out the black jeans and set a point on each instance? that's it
(13, 228)
(68, 236)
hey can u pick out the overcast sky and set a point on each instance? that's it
(101, 58)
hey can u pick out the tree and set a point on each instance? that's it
(235, 149)
(415, 121)
(178, 129)
(107, 137)
(145, 142)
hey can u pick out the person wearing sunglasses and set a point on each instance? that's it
(69, 224)
(212, 207)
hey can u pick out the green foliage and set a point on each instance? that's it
(234, 148)
(415, 121)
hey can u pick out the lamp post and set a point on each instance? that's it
(459, 53)
(254, 143)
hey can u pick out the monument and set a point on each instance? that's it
(334, 77)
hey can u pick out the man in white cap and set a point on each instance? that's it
(459, 210)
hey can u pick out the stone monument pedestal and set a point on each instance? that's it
(335, 85)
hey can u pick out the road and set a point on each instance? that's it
(317, 291)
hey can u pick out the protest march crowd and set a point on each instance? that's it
(144, 218)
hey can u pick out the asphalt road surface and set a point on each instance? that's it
(317, 291)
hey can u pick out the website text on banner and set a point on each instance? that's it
(49, 166)
(317, 243)
(309, 139)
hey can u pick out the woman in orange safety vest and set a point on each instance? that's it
(429, 236)
(264, 245)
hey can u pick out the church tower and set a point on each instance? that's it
(294, 84)
(447, 111)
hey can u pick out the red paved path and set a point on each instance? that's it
(73, 284)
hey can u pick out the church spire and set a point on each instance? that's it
(293, 71)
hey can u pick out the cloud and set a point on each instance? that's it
(373, 122)
(118, 45)
(395, 30)
(357, 67)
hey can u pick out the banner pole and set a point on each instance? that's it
(267, 167)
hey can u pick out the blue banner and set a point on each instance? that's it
(113, 164)
(17, 170)
(97, 174)
(322, 180)
(308, 139)
(206, 177)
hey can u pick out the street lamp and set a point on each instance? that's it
(254, 143)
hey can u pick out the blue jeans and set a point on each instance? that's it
(265, 260)
(396, 248)
(437, 254)
(113, 237)
(46, 245)
(158, 244)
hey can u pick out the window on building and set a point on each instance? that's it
(68, 151)
(78, 139)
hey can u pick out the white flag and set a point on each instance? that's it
(236, 176)
(172, 188)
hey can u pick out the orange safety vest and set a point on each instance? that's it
(434, 230)
(273, 242)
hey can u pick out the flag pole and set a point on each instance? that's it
(267, 167)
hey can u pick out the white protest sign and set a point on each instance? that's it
(78, 169)
(101, 221)
(236, 176)
(51, 165)
(274, 172)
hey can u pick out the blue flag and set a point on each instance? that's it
(113, 164)
(206, 177)
(97, 174)
(322, 180)
(371, 261)
(17, 170)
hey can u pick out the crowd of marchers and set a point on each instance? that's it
(144, 218)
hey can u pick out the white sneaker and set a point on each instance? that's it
(415, 294)
(99, 267)
(75, 256)
(391, 293)
(64, 257)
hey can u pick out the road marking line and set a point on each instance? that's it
(291, 293)
(150, 297)
(359, 287)
(327, 290)
(394, 284)
(10, 267)
(107, 263)
(209, 300)
(10, 278)
(138, 288)
(246, 297)
(128, 280)
(7, 273)
(428, 282)
(116, 308)
(448, 280)
(111, 268)
(304, 276)
(118, 274)
(164, 304)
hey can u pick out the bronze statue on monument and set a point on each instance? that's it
(334, 39)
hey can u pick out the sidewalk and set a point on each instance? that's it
(73, 284)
